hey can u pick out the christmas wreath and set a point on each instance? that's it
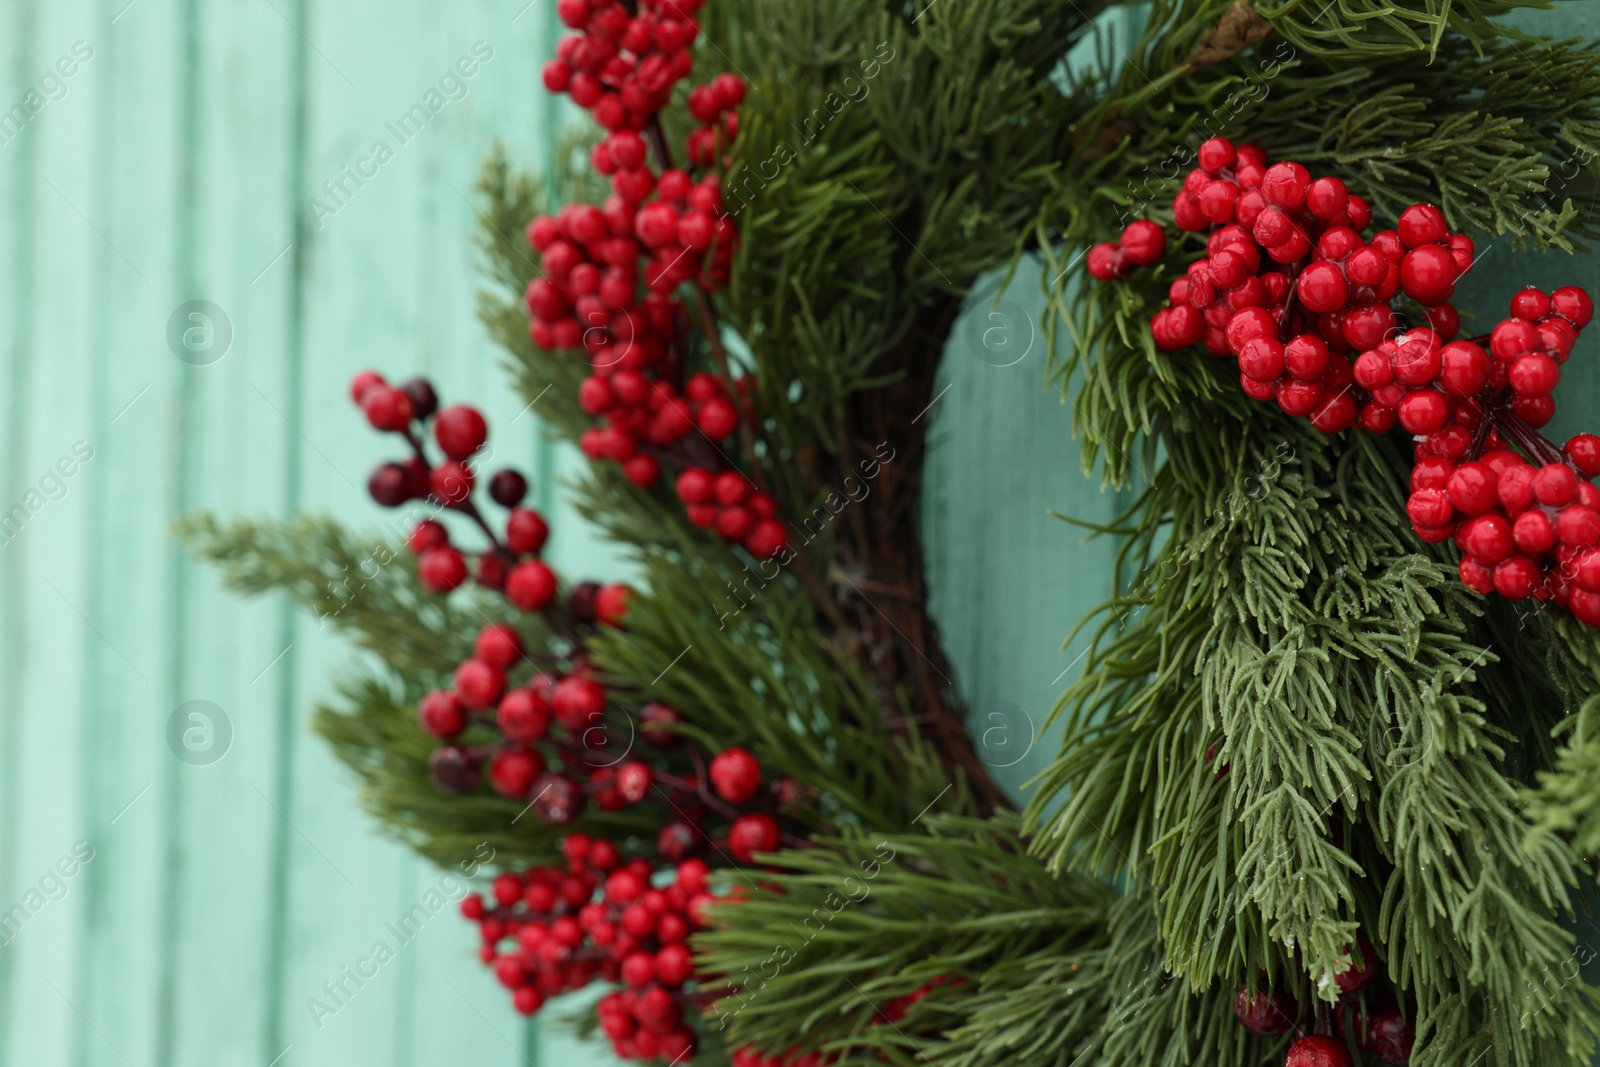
(1326, 787)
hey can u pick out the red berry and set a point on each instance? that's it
(1473, 488)
(578, 701)
(1533, 533)
(532, 585)
(611, 605)
(460, 431)
(735, 523)
(498, 644)
(1475, 576)
(526, 1000)
(526, 530)
(386, 408)
(441, 568)
(479, 684)
(1327, 198)
(1487, 539)
(1583, 450)
(1105, 261)
(1573, 304)
(512, 771)
(1530, 304)
(1285, 185)
(1578, 527)
(1317, 1050)
(507, 488)
(1430, 507)
(736, 775)
(751, 834)
(674, 965)
(1534, 374)
(1143, 243)
(767, 539)
(1216, 153)
(441, 714)
(1322, 287)
(1262, 358)
(1423, 412)
(1262, 1012)
(695, 486)
(362, 382)
(1422, 224)
(451, 483)
(1516, 578)
(1512, 338)
(1428, 275)
(524, 715)
(427, 534)
(634, 780)
(390, 485)
(1390, 1036)
(718, 418)
(1464, 368)
(1555, 484)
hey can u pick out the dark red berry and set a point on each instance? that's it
(390, 485)
(424, 401)
(454, 771)
(508, 487)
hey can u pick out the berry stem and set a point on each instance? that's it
(1533, 442)
(466, 507)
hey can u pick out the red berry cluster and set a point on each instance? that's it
(1370, 1016)
(715, 107)
(729, 504)
(1525, 529)
(1291, 290)
(622, 67)
(550, 930)
(510, 565)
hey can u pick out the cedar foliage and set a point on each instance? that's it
(1398, 755)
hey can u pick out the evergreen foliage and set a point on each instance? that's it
(1294, 723)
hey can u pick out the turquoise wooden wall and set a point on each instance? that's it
(178, 162)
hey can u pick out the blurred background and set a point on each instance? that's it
(202, 242)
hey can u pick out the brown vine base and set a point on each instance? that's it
(873, 601)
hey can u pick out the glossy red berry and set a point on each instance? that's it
(512, 771)
(1583, 451)
(460, 431)
(751, 834)
(441, 568)
(386, 408)
(1143, 243)
(611, 605)
(526, 531)
(532, 585)
(498, 644)
(441, 714)
(736, 775)
(1317, 1050)
(479, 684)
(524, 715)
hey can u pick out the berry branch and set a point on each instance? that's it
(1304, 305)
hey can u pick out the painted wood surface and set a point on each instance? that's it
(184, 158)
